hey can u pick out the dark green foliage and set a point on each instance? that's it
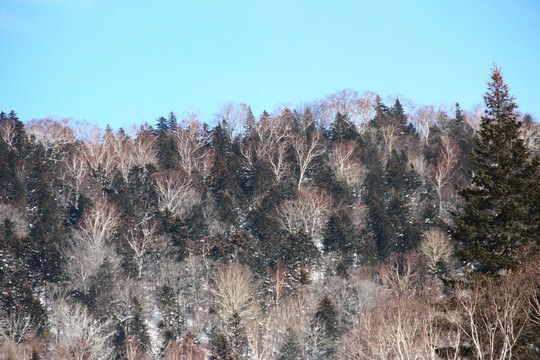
(298, 252)
(137, 325)
(262, 223)
(100, 295)
(196, 224)
(328, 317)
(11, 187)
(290, 350)
(173, 315)
(399, 116)
(176, 229)
(340, 236)
(325, 178)
(399, 175)
(386, 195)
(237, 334)
(167, 153)
(75, 211)
(221, 348)
(223, 187)
(19, 140)
(258, 179)
(463, 134)
(499, 219)
(342, 128)
(237, 246)
(141, 191)
(172, 122)
(119, 195)
(16, 294)
(46, 232)
(381, 114)
(326, 324)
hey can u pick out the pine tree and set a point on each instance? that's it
(398, 113)
(499, 221)
(290, 350)
(298, 251)
(340, 236)
(342, 129)
(221, 348)
(167, 153)
(326, 323)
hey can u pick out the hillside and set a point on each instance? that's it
(348, 228)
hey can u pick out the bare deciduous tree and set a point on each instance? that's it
(401, 275)
(436, 248)
(390, 135)
(8, 132)
(189, 280)
(190, 144)
(308, 210)
(144, 150)
(52, 134)
(359, 108)
(175, 192)
(495, 314)
(305, 149)
(271, 145)
(420, 166)
(76, 334)
(443, 166)
(16, 327)
(232, 116)
(234, 292)
(423, 118)
(90, 245)
(74, 177)
(99, 154)
(188, 350)
(142, 240)
(346, 164)
(530, 133)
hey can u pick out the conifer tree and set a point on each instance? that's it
(340, 236)
(327, 324)
(342, 128)
(290, 350)
(499, 220)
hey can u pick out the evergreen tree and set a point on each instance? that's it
(398, 113)
(175, 228)
(326, 323)
(223, 189)
(342, 129)
(381, 114)
(298, 251)
(172, 122)
(221, 349)
(290, 350)
(499, 219)
(237, 334)
(167, 154)
(138, 325)
(46, 232)
(340, 236)
(173, 314)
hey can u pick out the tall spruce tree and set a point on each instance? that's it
(499, 221)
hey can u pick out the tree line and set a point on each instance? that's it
(347, 228)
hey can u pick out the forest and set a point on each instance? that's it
(351, 227)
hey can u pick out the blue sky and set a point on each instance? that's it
(128, 62)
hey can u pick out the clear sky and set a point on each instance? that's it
(123, 62)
